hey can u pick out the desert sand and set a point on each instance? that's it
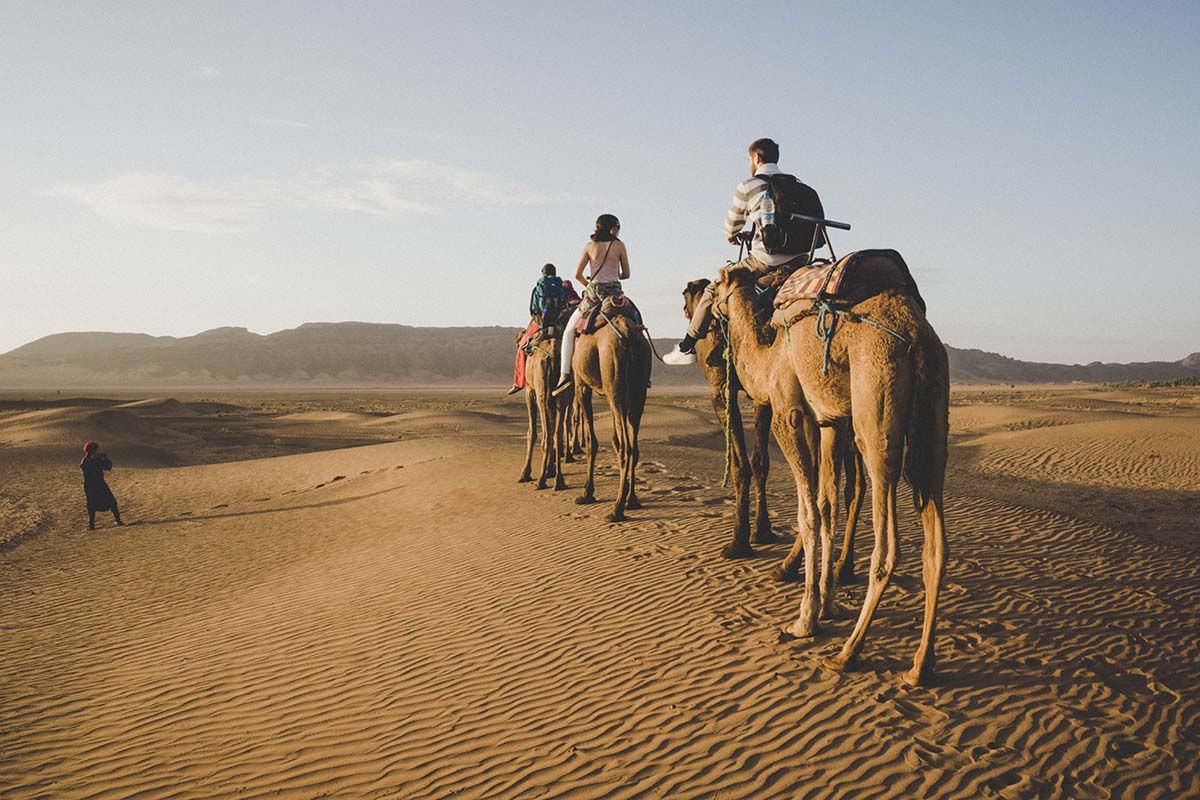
(349, 595)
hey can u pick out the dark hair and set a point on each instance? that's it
(767, 149)
(549, 269)
(604, 225)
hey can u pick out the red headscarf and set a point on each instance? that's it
(89, 446)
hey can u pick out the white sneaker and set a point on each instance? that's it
(678, 358)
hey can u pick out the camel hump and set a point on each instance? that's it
(855, 277)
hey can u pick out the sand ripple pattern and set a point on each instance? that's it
(1148, 453)
(423, 627)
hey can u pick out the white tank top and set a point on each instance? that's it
(610, 269)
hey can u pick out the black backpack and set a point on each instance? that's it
(788, 236)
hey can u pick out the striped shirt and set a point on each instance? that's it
(747, 207)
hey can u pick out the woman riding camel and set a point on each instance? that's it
(609, 261)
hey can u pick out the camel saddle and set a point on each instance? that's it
(852, 279)
(617, 305)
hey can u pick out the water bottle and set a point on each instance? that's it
(768, 209)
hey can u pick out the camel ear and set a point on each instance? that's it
(695, 288)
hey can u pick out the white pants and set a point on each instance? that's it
(568, 345)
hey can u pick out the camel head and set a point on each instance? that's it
(691, 295)
(733, 277)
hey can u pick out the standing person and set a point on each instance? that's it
(546, 303)
(609, 262)
(95, 488)
(788, 243)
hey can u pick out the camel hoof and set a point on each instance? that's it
(634, 503)
(540, 485)
(832, 612)
(524, 479)
(783, 575)
(585, 499)
(560, 485)
(568, 458)
(766, 536)
(838, 663)
(616, 516)
(916, 677)
(737, 550)
(798, 631)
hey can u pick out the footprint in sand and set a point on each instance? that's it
(221, 505)
(338, 478)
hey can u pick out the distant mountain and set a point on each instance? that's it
(367, 354)
(977, 366)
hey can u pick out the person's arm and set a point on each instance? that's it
(736, 218)
(105, 464)
(580, 267)
(623, 269)
(535, 299)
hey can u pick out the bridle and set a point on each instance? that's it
(723, 313)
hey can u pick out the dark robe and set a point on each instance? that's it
(99, 496)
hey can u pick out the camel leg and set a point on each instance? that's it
(561, 451)
(568, 441)
(760, 467)
(530, 437)
(879, 431)
(739, 468)
(793, 441)
(635, 424)
(856, 490)
(621, 446)
(933, 568)
(589, 424)
(788, 570)
(577, 431)
(828, 475)
(546, 411)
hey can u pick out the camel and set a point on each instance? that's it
(710, 354)
(614, 361)
(541, 372)
(882, 369)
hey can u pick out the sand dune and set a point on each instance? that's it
(403, 620)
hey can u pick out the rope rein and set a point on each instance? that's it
(730, 399)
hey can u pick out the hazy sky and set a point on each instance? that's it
(173, 167)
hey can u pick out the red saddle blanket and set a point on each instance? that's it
(854, 277)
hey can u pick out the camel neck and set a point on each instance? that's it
(743, 340)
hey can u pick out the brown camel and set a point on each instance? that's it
(614, 361)
(541, 372)
(710, 354)
(893, 388)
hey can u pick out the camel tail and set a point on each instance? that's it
(925, 454)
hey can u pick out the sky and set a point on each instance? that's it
(172, 167)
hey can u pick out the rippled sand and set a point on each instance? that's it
(352, 597)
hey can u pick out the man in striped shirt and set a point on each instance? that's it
(746, 208)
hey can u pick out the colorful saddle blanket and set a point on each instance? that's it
(617, 305)
(853, 278)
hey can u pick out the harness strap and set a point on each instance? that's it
(616, 330)
(826, 326)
